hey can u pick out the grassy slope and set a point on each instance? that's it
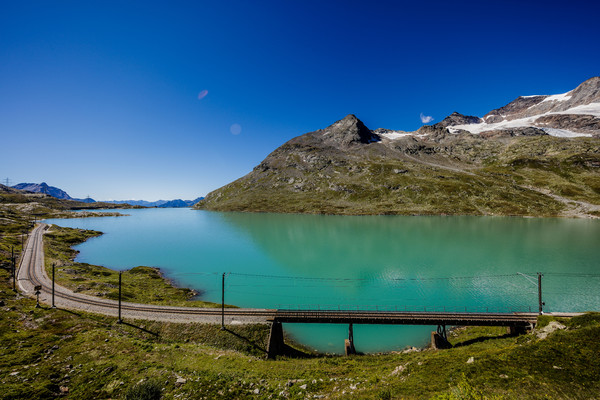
(44, 350)
(495, 180)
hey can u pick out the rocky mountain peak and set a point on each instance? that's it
(458, 119)
(348, 131)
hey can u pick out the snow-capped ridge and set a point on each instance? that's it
(525, 111)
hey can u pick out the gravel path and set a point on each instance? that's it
(32, 272)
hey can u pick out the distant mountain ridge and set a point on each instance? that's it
(61, 194)
(49, 190)
(177, 203)
(536, 156)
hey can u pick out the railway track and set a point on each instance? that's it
(32, 273)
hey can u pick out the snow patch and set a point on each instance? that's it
(483, 127)
(558, 97)
(586, 109)
(393, 135)
(564, 133)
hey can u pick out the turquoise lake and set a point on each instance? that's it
(366, 262)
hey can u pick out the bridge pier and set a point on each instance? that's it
(439, 339)
(517, 330)
(349, 343)
(276, 344)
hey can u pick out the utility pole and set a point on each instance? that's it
(37, 290)
(14, 269)
(223, 302)
(541, 303)
(119, 320)
(53, 268)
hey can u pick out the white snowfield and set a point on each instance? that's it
(586, 109)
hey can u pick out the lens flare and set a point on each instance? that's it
(202, 94)
(235, 129)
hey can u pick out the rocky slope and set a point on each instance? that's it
(531, 157)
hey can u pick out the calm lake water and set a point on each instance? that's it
(383, 262)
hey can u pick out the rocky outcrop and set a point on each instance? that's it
(458, 119)
(347, 132)
(513, 109)
(572, 122)
(512, 132)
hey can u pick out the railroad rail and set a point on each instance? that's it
(32, 273)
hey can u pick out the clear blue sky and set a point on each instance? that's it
(150, 100)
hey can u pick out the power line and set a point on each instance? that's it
(370, 279)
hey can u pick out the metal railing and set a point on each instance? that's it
(406, 308)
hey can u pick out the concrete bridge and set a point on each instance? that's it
(516, 322)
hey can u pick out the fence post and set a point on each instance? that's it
(119, 320)
(223, 302)
(541, 303)
(53, 267)
(14, 269)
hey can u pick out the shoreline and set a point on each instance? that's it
(99, 281)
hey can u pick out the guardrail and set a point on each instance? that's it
(394, 308)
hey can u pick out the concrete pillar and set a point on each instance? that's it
(438, 342)
(349, 343)
(276, 345)
(517, 330)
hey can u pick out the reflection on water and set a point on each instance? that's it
(371, 261)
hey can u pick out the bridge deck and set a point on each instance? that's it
(405, 318)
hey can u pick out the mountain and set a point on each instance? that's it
(43, 188)
(571, 114)
(177, 203)
(142, 203)
(50, 191)
(61, 194)
(536, 156)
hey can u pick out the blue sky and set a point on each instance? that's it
(159, 100)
